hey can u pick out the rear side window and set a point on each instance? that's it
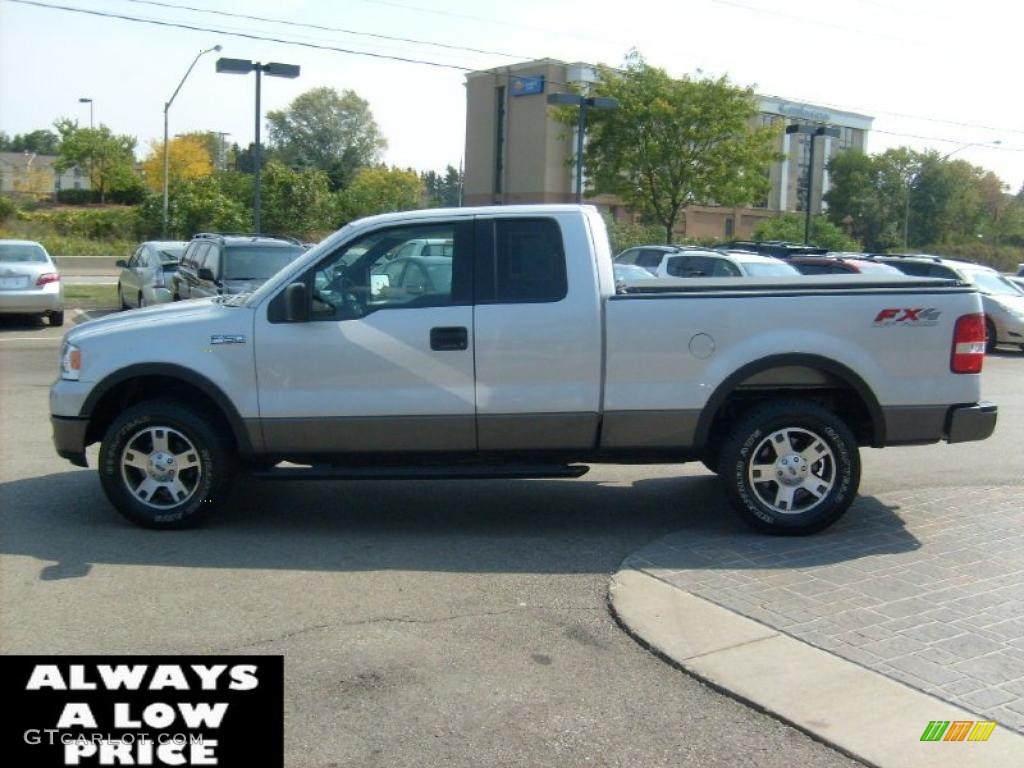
(628, 257)
(523, 261)
(915, 268)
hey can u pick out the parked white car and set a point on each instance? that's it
(30, 281)
(724, 264)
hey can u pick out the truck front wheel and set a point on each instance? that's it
(164, 465)
(791, 467)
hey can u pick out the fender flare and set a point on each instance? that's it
(831, 367)
(188, 376)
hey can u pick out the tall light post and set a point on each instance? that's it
(913, 177)
(167, 106)
(584, 103)
(85, 100)
(273, 69)
(814, 132)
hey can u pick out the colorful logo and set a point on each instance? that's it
(958, 730)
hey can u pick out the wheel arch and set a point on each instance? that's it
(795, 373)
(144, 381)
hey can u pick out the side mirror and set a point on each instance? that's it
(121, 263)
(205, 273)
(296, 303)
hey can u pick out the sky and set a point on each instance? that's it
(935, 74)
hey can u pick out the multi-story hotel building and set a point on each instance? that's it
(516, 152)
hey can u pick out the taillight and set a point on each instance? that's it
(968, 351)
(47, 277)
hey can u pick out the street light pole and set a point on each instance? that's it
(167, 156)
(814, 132)
(274, 69)
(583, 103)
(84, 100)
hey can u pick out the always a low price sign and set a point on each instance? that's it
(143, 710)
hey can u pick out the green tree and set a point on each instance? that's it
(790, 227)
(379, 189)
(869, 193)
(673, 142)
(323, 129)
(443, 190)
(194, 205)
(42, 142)
(296, 203)
(108, 158)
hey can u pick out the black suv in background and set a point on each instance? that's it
(217, 264)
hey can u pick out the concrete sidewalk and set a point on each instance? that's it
(909, 610)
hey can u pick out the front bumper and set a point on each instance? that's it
(971, 422)
(69, 438)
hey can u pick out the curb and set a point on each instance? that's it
(856, 711)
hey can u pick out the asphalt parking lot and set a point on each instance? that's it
(455, 622)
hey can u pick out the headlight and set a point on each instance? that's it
(70, 361)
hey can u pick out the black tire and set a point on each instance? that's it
(990, 337)
(56, 319)
(120, 298)
(142, 300)
(833, 469)
(208, 483)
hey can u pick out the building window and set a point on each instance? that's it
(729, 226)
(499, 137)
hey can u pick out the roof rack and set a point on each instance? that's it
(286, 238)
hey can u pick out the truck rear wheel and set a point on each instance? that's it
(164, 465)
(791, 467)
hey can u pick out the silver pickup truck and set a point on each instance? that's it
(514, 353)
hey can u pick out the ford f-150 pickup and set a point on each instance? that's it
(516, 354)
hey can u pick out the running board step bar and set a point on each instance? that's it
(449, 472)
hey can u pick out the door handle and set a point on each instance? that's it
(449, 339)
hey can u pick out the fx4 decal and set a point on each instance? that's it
(916, 318)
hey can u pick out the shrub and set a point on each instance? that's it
(790, 227)
(91, 223)
(7, 208)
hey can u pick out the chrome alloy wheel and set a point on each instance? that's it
(792, 470)
(160, 467)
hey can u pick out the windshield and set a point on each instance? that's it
(12, 253)
(992, 283)
(252, 263)
(762, 269)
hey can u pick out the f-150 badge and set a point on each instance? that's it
(227, 338)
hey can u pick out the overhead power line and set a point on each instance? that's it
(325, 28)
(392, 57)
(246, 35)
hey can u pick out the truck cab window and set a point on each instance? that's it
(394, 268)
(529, 261)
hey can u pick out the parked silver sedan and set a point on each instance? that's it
(29, 281)
(145, 278)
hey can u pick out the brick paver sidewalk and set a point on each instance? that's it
(926, 587)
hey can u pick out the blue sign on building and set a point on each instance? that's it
(524, 86)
